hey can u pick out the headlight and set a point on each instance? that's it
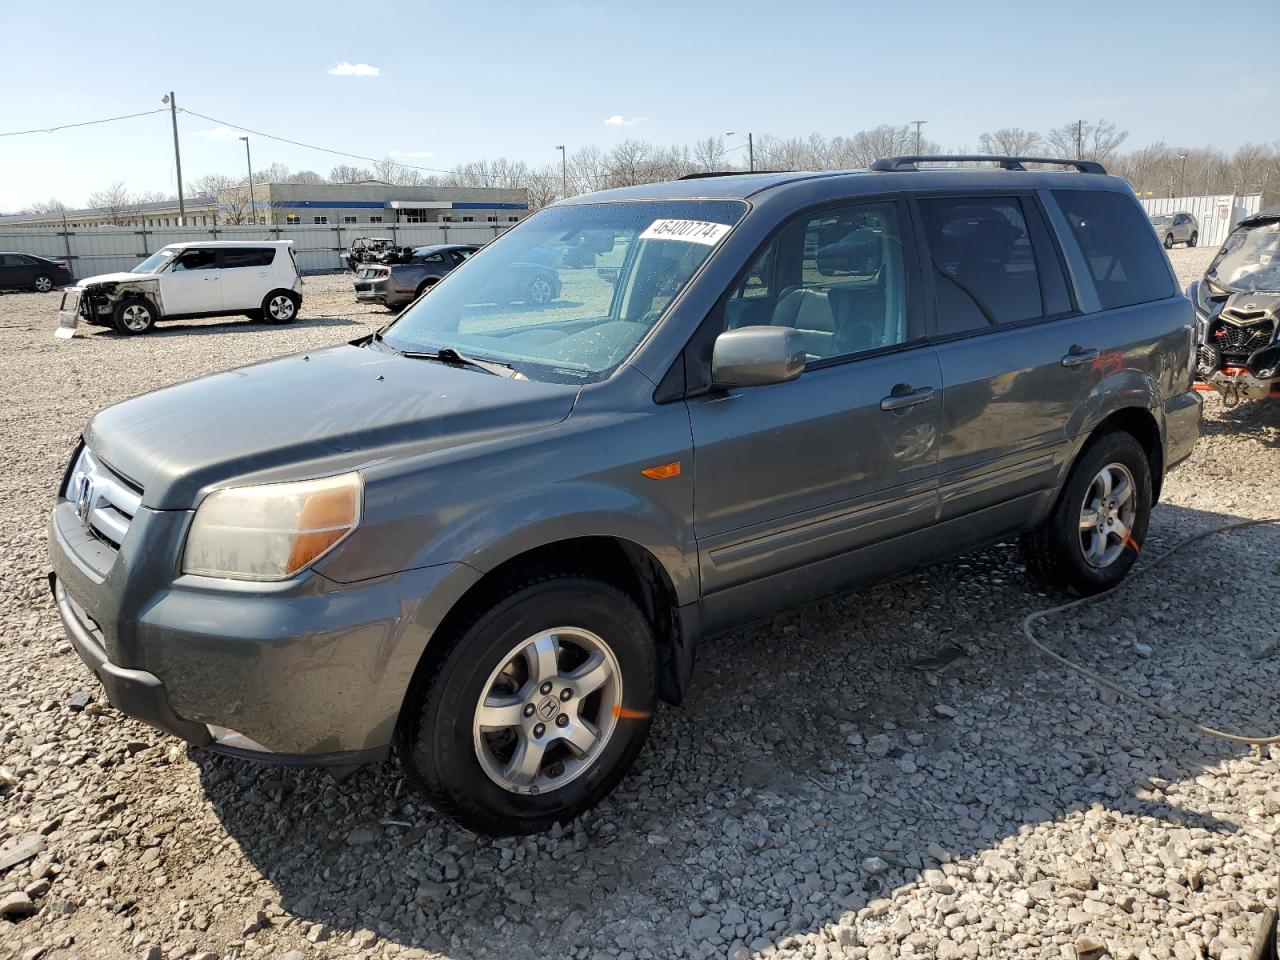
(272, 531)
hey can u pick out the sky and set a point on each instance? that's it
(437, 84)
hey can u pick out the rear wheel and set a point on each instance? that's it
(133, 316)
(534, 711)
(1195, 238)
(280, 306)
(42, 283)
(423, 287)
(1092, 537)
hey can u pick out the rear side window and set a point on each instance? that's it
(252, 257)
(993, 263)
(1122, 252)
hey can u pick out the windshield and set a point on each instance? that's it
(1161, 220)
(1249, 261)
(567, 295)
(157, 261)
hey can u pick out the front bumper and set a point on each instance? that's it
(312, 670)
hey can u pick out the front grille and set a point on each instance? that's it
(1237, 341)
(104, 502)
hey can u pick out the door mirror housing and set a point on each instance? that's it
(756, 356)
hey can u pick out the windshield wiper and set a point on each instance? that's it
(451, 356)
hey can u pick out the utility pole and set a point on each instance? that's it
(919, 124)
(1182, 177)
(1079, 139)
(751, 149)
(564, 173)
(177, 155)
(253, 207)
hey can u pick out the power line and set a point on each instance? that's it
(86, 123)
(311, 146)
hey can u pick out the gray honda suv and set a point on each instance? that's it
(493, 533)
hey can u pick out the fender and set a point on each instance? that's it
(1125, 389)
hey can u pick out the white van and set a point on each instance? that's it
(258, 279)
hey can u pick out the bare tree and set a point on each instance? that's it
(232, 197)
(1088, 140)
(345, 173)
(544, 186)
(1010, 142)
(588, 169)
(709, 152)
(115, 202)
(52, 206)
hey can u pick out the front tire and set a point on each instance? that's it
(1195, 238)
(1092, 537)
(280, 306)
(1168, 241)
(42, 283)
(539, 291)
(134, 316)
(534, 711)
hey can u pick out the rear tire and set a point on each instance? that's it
(280, 306)
(496, 730)
(1091, 538)
(423, 287)
(1195, 238)
(134, 316)
(1168, 241)
(42, 283)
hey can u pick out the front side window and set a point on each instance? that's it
(196, 260)
(987, 272)
(838, 277)
(1249, 262)
(1123, 256)
(519, 302)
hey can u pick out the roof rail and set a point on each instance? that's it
(728, 173)
(898, 164)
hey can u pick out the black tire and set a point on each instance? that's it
(1054, 552)
(1195, 238)
(280, 306)
(436, 741)
(42, 283)
(1168, 241)
(133, 316)
(539, 291)
(423, 287)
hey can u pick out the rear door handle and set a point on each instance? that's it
(892, 402)
(1079, 356)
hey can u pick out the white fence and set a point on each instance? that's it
(94, 250)
(1216, 215)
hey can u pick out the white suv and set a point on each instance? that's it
(258, 279)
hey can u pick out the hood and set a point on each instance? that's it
(309, 415)
(116, 278)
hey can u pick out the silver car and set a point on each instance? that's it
(395, 284)
(1174, 228)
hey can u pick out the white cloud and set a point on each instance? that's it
(618, 120)
(421, 154)
(345, 69)
(219, 133)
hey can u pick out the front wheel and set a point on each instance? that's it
(1093, 535)
(133, 316)
(533, 712)
(1195, 238)
(280, 306)
(42, 283)
(1168, 241)
(539, 291)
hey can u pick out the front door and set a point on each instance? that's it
(1018, 358)
(192, 284)
(791, 479)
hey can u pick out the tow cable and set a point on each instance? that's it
(1124, 691)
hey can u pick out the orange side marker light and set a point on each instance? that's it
(663, 471)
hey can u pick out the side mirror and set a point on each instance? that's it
(756, 356)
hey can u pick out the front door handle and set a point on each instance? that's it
(902, 401)
(1079, 356)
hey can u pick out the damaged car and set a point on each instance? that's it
(1238, 312)
(256, 279)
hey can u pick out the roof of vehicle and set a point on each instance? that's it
(183, 244)
(23, 253)
(740, 186)
(445, 246)
(1262, 216)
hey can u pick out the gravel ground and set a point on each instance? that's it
(824, 793)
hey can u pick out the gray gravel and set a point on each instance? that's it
(819, 796)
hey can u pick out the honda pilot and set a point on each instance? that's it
(493, 534)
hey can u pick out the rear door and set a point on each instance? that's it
(1018, 356)
(247, 276)
(192, 284)
(792, 478)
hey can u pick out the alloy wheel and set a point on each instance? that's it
(548, 710)
(137, 318)
(43, 284)
(1107, 514)
(280, 307)
(540, 291)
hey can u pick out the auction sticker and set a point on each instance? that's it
(690, 231)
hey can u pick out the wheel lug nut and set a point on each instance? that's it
(565, 694)
(546, 687)
(562, 720)
(528, 709)
(539, 730)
